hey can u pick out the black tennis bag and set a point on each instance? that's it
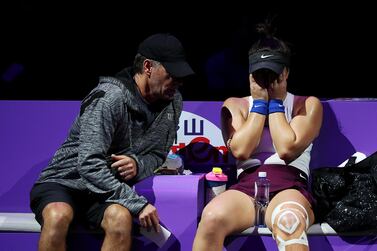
(347, 196)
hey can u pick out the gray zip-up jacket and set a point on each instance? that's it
(113, 120)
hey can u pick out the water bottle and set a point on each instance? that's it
(262, 198)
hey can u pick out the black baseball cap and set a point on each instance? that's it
(168, 50)
(266, 59)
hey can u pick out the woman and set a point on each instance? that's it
(271, 130)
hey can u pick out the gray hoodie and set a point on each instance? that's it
(114, 119)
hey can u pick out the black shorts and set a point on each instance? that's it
(88, 208)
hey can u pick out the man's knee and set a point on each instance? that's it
(57, 214)
(117, 219)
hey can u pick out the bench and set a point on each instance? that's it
(31, 131)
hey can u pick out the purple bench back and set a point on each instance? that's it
(349, 126)
(31, 131)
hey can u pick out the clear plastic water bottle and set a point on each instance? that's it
(262, 198)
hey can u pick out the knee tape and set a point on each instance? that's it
(288, 221)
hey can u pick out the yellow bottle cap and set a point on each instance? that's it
(217, 170)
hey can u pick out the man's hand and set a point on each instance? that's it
(125, 166)
(148, 218)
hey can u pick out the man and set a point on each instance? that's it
(124, 131)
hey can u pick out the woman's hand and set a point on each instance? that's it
(278, 89)
(256, 91)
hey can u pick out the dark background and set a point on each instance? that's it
(58, 50)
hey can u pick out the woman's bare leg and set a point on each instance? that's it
(292, 215)
(231, 211)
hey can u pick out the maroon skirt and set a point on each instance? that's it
(281, 177)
